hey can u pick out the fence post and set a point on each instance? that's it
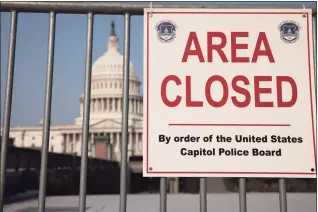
(163, 194)
(86, 115)
(7, 105)
(203, 195)
(242, 195)
(47, 114)
(124, 146)
(282, 195)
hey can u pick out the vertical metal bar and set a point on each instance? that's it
(86, 115)
(242, 194)
(47, 113)
(282, 195)
(203, 195)
(124, 131)
(163, 194)
(7, 105)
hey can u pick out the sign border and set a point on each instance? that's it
(148, 172)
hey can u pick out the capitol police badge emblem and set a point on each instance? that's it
(289, 31)
(166, 31)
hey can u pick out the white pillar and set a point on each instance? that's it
(130, 142)
(66, 143)
(136, 106)
(136, 143)
(102, 105)
(111, 136)
(93, 145)
(118, 143)
(95, 105)
(142, 107)
(113, 104)
(140, 142)
(133, 106)
(75, 142)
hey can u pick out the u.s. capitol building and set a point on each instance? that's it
(105, 114)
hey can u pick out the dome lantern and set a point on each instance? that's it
(113, 39)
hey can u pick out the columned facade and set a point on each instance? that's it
(105, 112)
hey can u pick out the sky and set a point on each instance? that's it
(69, 61)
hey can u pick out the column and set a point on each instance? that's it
(111, 137)
(65, 143)
(117, 104)
(93, 145)
(133, 106)
(140, 142)
(113, 104)
(136, 145)
(95, 105)
(118, 146)
(130, 142)
(99, 105)
(112, 144)
(108, 104)
(74, 142)
(142, 107)
(114, 109)
(68, 137)
(102, 105)
(136, 106)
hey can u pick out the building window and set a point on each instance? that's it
(33, 138)
(52, 148)
(32, 145)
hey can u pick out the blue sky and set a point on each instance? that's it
(69, 65)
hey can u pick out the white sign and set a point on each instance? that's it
(229, 93)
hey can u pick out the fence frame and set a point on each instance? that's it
(91, 9)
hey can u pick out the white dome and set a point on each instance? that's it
(107, 86)
(111, 63)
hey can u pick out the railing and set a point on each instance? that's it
(23, 167)
(92, 8)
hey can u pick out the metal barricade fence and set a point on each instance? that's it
(92, 8)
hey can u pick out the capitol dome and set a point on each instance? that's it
(111, 62)
(107, 84)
